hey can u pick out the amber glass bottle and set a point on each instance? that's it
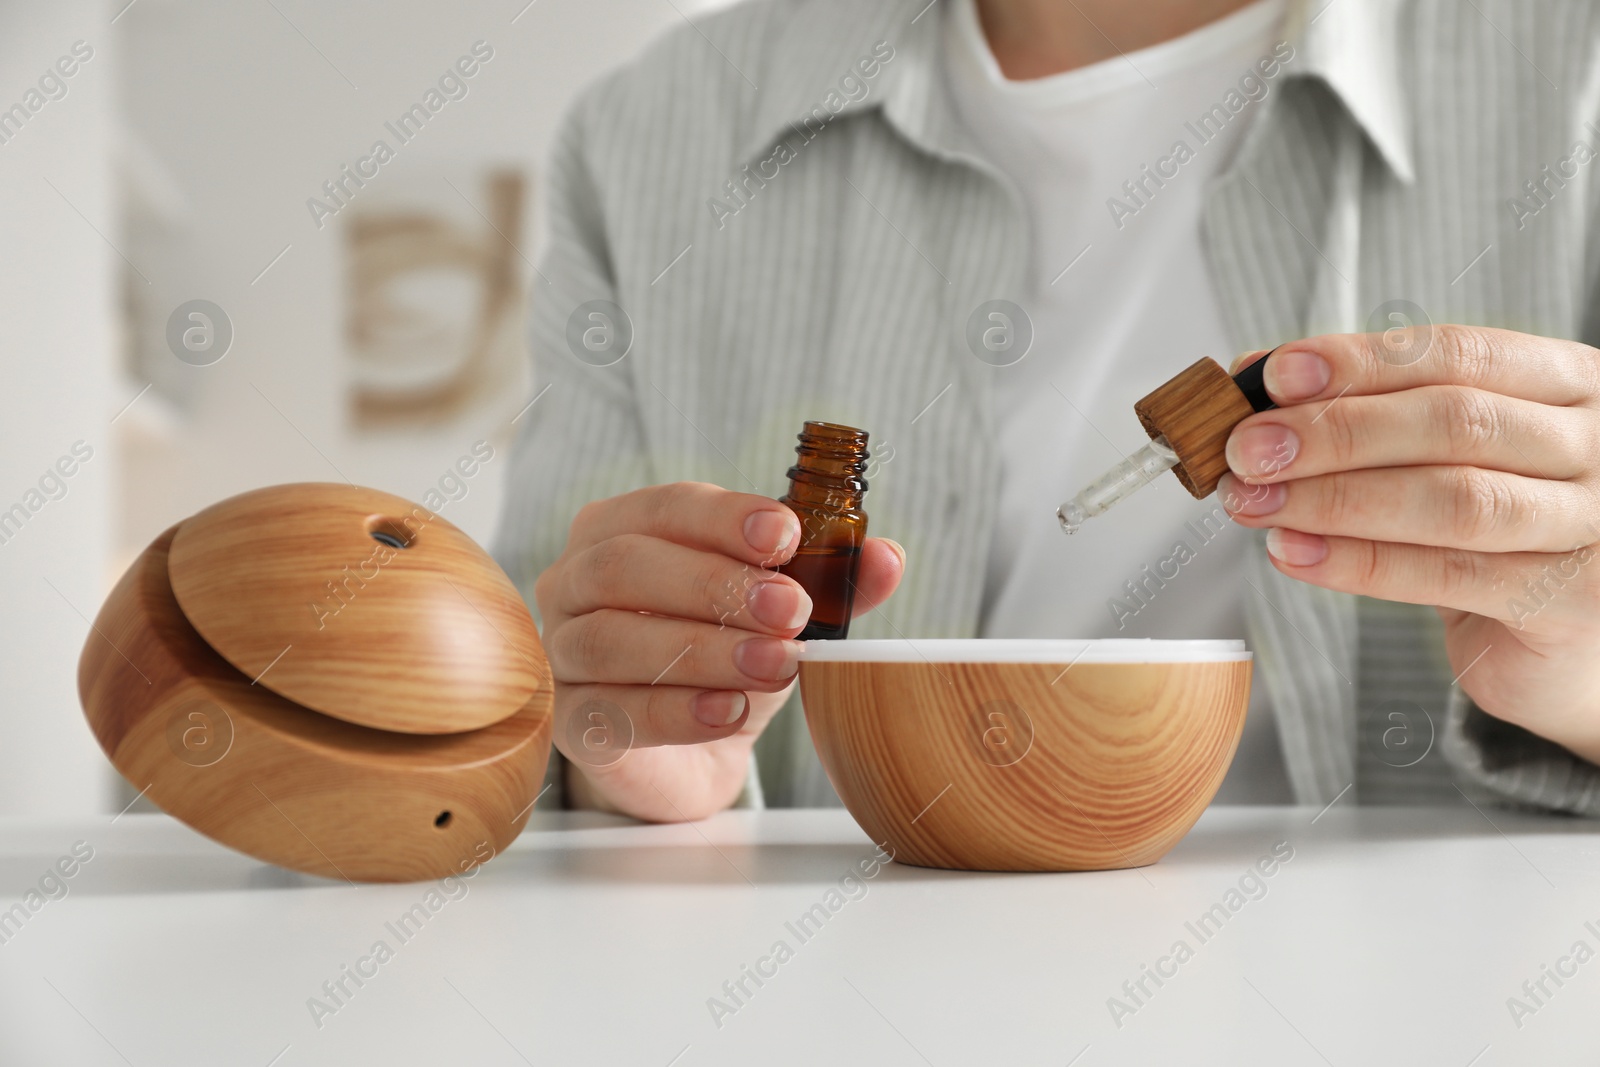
(826, 487)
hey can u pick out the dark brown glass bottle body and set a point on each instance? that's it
(827, 485)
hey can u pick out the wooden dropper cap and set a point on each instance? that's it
(1196, 410)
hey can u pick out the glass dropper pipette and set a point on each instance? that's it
(1120, 481)
(1198, 408)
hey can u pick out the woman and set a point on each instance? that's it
(981, 229)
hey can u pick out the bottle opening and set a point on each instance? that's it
(831, 453)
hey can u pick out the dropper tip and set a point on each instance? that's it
(1071, 517)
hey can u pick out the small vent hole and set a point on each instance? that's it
(391, 532)
(443, 820)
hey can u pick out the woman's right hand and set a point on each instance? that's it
(671, 642)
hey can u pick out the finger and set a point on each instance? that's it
(1541, 369)
(599, 723)
(1525, 590)
(634, 572)
(1450, 507)
(627, 648)
(883, 564)
(1244, 359)
(1433, 424)
(749, 528)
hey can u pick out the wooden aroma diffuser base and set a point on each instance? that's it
(1026, 755)
(307, 788)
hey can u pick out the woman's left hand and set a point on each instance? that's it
(1467, 478)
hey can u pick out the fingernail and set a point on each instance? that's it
(780, 605)
(770, 531)
(898, 550)
(718, 708)
(768, 658)
(1295, 548)
(1261, 450)
(1251, 499)
(1295, 374)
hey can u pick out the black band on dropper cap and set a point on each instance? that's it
(1252, 384)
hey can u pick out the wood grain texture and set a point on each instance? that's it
(1195, 411)
(288, 584)
(1019, 767)
(281, 782)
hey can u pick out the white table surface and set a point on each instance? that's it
(1392, 936)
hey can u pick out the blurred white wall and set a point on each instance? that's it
(58, 336)
(244, 112)
(191, 141)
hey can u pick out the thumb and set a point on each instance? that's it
(883, 564)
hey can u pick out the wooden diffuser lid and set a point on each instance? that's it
(267, 776)
(360, 605)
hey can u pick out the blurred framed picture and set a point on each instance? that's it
(435, 299)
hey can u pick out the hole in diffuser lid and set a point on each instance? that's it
(391, 532)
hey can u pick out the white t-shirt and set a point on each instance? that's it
(1112, 162)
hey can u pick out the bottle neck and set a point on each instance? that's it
(831, 469)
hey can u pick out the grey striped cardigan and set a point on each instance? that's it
(783, 205)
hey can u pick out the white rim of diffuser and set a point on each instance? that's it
(1023, 650)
